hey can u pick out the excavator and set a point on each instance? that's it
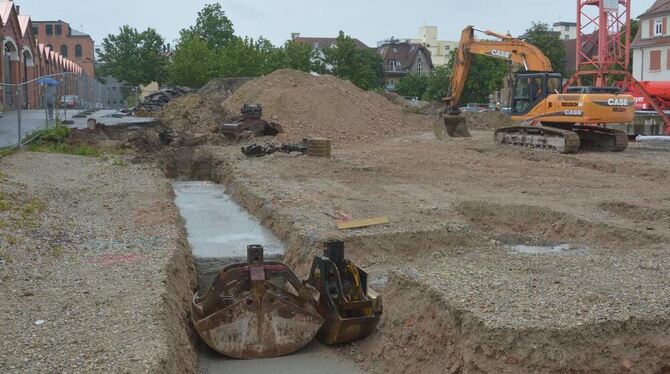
(546, 118)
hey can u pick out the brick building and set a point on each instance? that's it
(26, 58)
(68, 42)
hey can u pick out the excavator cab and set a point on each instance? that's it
(530, 89)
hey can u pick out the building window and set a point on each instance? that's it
(419, 67)
(77, 50)
(655, 60)
(63, 50)
(567, 37)
(35, 30)
(658, 27)
(567, 28)
(59, 29)
(49, 29)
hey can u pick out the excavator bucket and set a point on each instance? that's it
(454, 126)
(257, 310)
(350, 309)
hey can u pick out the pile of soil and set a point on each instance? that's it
(488, 120)
(193, 119)
(325, 106)
(222, 88)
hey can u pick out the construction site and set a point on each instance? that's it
(296, 223)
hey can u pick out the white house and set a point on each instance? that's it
(567, 30)
(651, 46)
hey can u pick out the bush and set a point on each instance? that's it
(57, 134)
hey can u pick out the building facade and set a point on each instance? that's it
(651, 46)
(440, 50)
(402, 59)
(566, 30)
(69, 43)
(26, 58)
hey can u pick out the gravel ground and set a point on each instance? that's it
(534, 250)
(94, 270)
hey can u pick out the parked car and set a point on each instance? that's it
(70, 101)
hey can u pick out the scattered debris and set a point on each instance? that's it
(155, 102)
(351, 310)
(256, 150)
(361, 223)
(251, 124)
(40, 322)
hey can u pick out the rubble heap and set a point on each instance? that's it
(156, 101)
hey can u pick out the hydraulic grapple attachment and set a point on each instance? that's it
(351, 310)
(256, 310)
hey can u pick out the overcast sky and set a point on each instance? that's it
(370, 20)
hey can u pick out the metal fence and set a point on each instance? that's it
(25, 107)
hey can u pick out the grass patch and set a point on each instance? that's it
(79, 150)
(57, 251)
(56, 134)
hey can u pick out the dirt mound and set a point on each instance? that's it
(488, 120)
(325, 106)
(192, 119)
(222, 88)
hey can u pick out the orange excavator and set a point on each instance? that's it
(546, 117)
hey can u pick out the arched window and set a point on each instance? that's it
(77, 50)
(63, 50)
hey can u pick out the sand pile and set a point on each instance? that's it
(325, 106)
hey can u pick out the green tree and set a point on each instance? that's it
(133, 57)
(549, 42)
(413, 85)
(212, 26)
(301, 56)
(193, 63)
(487, 74)
(438, 84)
(363, 67)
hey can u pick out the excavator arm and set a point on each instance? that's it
(507, 48)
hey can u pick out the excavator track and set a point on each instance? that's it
(541, 137)
(601, 139)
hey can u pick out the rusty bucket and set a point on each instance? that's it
(350, 309)
(257, 310)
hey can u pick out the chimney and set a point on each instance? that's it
(18, 9)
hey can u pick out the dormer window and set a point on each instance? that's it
(658, 27)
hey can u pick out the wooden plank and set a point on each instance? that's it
(360, 223)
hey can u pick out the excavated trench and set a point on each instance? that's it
(447, 309)
(218, 232)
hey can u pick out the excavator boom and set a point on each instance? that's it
(514, 50)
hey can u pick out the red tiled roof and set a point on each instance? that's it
(659, 7)
(325, 42)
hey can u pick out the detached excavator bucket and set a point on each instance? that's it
(350, 309)
(454, 126)
(257, 310)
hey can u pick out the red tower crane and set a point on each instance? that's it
(603, 48)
